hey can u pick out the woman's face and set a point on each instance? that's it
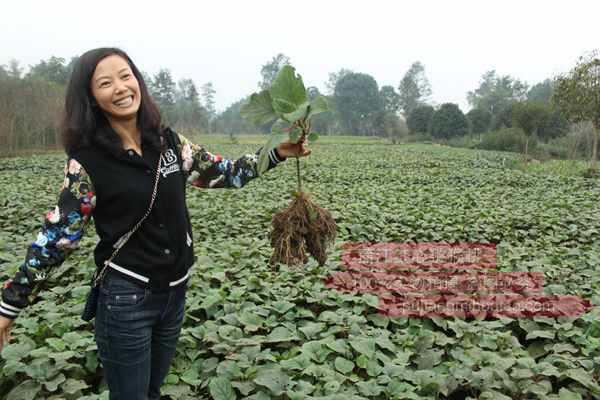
(116, 89)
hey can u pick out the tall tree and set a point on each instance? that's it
(496, 91)
(419, 119)
(270, 70)
(164, 88)
(208, 97)
(334, 77)
(529, 116)
(541, 92)
(187, 90)
(391, 99)
(54, 70)
(323, 123)
(188, 111)
(164, 94)
(14, 69)
(414, 88)
(577, 94)
(479, 121)
(358, 102)
(448, 122)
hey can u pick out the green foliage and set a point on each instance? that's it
(508, 139)
(496, 94)
(163, 89)
(495, 91)
(577, 94)
(208, 99)
(287, 101)
(529, 116)
(449, 121)
(259, 108)
(479, 120)
(255, 332)
(334, 77)
(358, 103)
(53, 70)
(270, 70)
(541, 92)
(502, 117)
(31, 109)
(419, 119)
(554, 126)
(187, 114)
(391, 99)
(414, 88)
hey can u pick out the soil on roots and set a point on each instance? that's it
(303, 227)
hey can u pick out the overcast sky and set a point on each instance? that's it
(226, 42)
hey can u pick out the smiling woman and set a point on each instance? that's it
(116, 89)
(127, 171)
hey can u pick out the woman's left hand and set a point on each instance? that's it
(289, 149)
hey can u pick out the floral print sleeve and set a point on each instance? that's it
(207, 170)
(60, 234)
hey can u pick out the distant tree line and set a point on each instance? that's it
(31, 103)
(505, 114)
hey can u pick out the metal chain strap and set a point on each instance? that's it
(123, 239)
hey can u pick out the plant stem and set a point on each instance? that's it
(298, 174)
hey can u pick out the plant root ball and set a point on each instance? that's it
(303, 227)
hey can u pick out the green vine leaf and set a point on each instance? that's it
(274, 141)
(288, 91)
(259, 109)
(319, 105)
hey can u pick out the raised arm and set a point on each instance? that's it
(207, 170)
(60, 234)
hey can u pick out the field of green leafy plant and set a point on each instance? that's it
(257, 332)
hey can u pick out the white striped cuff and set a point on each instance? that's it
(9, 310)
(273, 157)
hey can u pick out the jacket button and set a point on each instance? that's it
(148, 171)
(167, 251)
(161, 226)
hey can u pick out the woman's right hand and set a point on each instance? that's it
(5, 327)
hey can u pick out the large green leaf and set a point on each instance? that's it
(566, 394)
(281, 334)
(274, 379)
(221, 389)
(317, 106)
(585, 378)
(259, 108)
(300, 112)
(343, 365)
(283, 107)
(263, 158)
(287, 88)
(73, 386)
(365, 346)
(27, 390)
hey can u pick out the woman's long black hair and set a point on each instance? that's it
(84, 123)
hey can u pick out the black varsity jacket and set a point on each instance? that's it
(116, 189)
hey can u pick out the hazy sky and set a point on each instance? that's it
(226, 42)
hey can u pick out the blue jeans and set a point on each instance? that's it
(136, 331)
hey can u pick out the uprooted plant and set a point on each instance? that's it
(303, 227)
